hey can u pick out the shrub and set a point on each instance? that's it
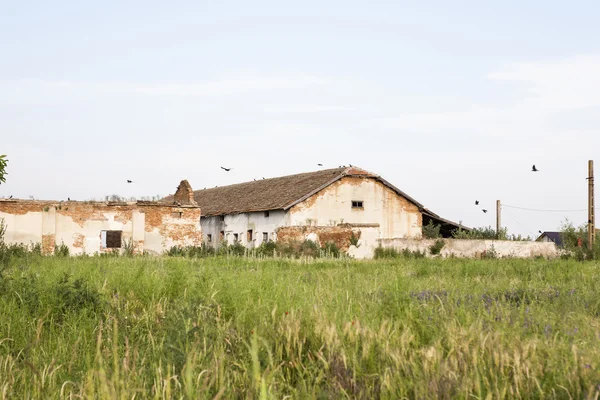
(331, 250)
(431, 231)
(354, 239)
(267, 249)
(128, 248)
(383, 253)
(490, 253)
(76, 295)
(62, 250)
(437, 247)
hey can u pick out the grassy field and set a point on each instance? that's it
(104, 327)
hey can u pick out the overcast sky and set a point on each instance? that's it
(449, 101)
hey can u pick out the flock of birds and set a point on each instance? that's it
(533, 169)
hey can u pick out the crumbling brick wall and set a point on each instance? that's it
(150, 226)
(340, 235)
(184, 194)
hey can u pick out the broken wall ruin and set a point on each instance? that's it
(97, 227)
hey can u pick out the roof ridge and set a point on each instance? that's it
(275, 177)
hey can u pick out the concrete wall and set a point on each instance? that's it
(474, 248)
(151, 227)
(396, 216)
(240, 224)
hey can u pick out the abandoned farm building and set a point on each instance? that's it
(323, 206)
(98, 227)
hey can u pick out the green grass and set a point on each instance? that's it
(109, 327)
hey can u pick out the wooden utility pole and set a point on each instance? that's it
(498, 223)
(591, 213)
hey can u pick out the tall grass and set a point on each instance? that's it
(234, 327)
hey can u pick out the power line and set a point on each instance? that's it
(541, 210)
(528, 228)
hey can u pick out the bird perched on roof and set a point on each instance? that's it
(226, 169)
(68, 199)
(534, 169)
(10, 196)
(540, 232)
(484, 210)
(320, 165)
(476, 202)
(129, 181)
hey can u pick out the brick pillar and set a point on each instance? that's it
(184, 194)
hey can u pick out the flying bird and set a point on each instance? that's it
(476, 202)
(534, 169)
(484, 210)
(226, 169)
(128, 181)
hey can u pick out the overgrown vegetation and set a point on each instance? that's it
(576, 244)
(289, 249)
(437, 247)
(488, 233)
(431, 231)
(391, 253)
(3, 164)
(230, 327)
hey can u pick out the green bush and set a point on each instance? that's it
(267, 249)
(437, 247)
(431, 231)
(572, 238)
(62, 250)
(391, 253)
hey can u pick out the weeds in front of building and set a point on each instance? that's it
(235, 327)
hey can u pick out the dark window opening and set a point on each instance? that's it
(222, 236)
(265, 236)
(177, 214)
(235, 237)
(357, 204)
(249, 235)
(221, 218)
(111, 239)
(209, 238)
(266, 214)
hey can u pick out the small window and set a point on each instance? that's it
(209, 238)
(235, 238)
(222, 218)
(266, 214)
(357, 204)
(177, 214)
(265, 236)
(111, 239)
(222, 236)
(249, 235)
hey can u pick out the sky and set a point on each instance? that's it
(451, 102)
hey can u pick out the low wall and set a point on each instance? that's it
(475, 248)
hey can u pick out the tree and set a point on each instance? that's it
(3, 162)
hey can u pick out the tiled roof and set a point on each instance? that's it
(276, 193)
